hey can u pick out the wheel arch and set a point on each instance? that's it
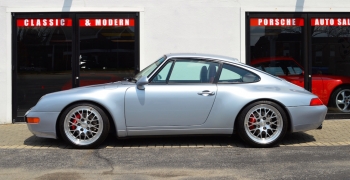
(110, 118)
(289, 128)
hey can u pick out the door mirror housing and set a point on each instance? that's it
(141, 82)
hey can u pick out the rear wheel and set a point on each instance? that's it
(340, 99)
(84, 125)
(262, 124)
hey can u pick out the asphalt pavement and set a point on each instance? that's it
(328, 162)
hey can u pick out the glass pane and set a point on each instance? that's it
(228, 76)
(280, 67)
(163, 74)
(107, 50)
(275, 41)
(233, 74)
(149, 69)
(193, 72)
(43, 61)
(276, 47)
(331, 62)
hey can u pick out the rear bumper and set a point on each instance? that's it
(304, 118)
(46, 127)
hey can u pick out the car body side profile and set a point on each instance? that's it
(180, 94)
(333, 90)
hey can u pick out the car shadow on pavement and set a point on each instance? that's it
(297, 138)
(198, 141)
(37, 142)
(169, 141)
(174, 141)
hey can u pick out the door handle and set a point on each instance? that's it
(206, 92)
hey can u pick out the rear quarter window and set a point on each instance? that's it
(234, 74)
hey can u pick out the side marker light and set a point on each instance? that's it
(33, 120)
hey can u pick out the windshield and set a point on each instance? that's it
(148, 70)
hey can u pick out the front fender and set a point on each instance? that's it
(112, 99)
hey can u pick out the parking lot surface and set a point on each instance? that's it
(334, 133)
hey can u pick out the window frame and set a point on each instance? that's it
(219, 63)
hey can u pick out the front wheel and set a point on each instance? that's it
(262, 124)
(84, 125)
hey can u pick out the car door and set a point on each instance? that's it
(180, 94)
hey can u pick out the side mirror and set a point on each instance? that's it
(141, 82)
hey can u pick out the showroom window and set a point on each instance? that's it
(331, 59)
(308, 49)
(59, 51)
(43, 57)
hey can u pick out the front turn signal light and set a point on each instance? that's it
(33, 120)
(316, 102)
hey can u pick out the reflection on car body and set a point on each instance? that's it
(176, 95)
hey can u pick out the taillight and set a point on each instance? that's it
(316, 102)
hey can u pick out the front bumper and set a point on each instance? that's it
(304, 118)
(46, 127)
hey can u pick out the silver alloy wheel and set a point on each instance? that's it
(83, 125)
(342, 100)
(263, 124)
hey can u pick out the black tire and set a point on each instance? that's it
(338, 94)
(84, 125)
(255, 121)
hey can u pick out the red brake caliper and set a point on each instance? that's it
(74, 121)
(252, 120)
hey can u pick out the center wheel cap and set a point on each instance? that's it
(84, 125)
(262, 123)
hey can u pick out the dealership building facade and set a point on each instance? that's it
(48, 46)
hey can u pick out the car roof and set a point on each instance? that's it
(202, 55)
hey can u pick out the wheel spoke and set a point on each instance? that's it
(273, 122)
(343, 94)
(259, 113)
(340, 101)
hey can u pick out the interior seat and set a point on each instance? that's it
(204, 74)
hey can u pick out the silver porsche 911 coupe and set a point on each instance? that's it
(176, 95)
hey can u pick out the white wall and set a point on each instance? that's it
(167, 26)
(5, 70)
